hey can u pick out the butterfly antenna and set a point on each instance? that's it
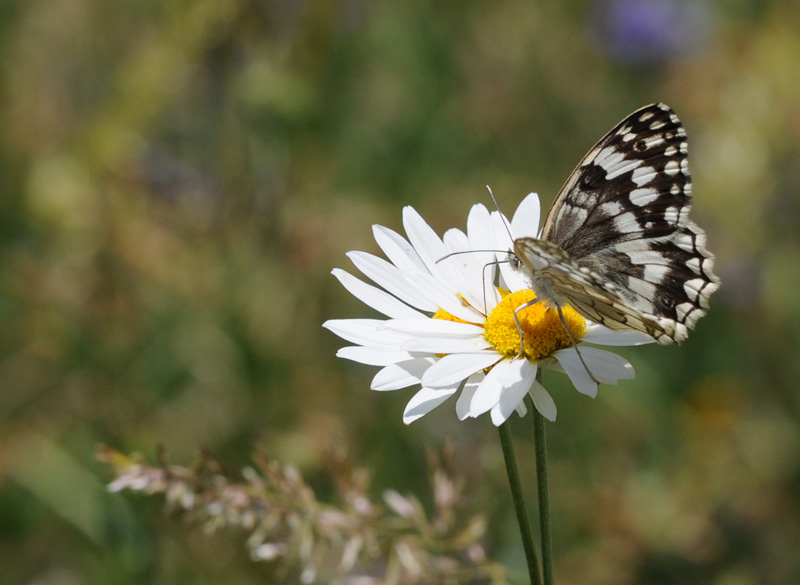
(497, 207)
(456, 253)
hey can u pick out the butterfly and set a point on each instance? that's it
(617, 244)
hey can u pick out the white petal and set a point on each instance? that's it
(502, 237)
(497, 415)
(448, 345)
(433, 251)
(543, 401)
(573, 367)
(425, 401)
(425, 241)
(478, 227)
(489, 392)
(373, 356)
(596, 333)
(390, 278)
(517, 382)
(432, 328)
(368, 332)
(465, 397)
(525, 223)
(455, 241)
(464, 270)
(481, 266)
(456, 367)
(443, 296)
(606, 367)
(374, 297)
(397, 249)
(401, 375)
(514, 280)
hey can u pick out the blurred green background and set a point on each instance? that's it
(179, 177)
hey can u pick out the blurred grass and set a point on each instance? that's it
(178, 179)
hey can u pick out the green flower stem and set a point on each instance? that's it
(544, 498)
(519, 503)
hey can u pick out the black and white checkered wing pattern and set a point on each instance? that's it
(618, 244)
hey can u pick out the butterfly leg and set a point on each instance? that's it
(574, 344)
(519, 325)
(566, 328)
(483, 274)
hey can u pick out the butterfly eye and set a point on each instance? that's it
(514, 260)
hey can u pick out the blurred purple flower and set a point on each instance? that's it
(646, 32)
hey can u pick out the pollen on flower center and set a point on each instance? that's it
(543, 332)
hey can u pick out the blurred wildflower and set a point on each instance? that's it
(649, 32)
(451, 329)
(358, 541)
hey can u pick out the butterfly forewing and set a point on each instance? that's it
(617, 244)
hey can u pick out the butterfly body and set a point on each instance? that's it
(617, 244)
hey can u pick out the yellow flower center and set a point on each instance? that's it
(542, 330)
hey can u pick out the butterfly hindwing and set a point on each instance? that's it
(563, 281)
(617, 244)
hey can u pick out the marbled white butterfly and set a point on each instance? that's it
(617, 244)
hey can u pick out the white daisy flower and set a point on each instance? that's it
(450, 329)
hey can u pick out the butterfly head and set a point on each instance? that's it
(514, 261)
(532, 255)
